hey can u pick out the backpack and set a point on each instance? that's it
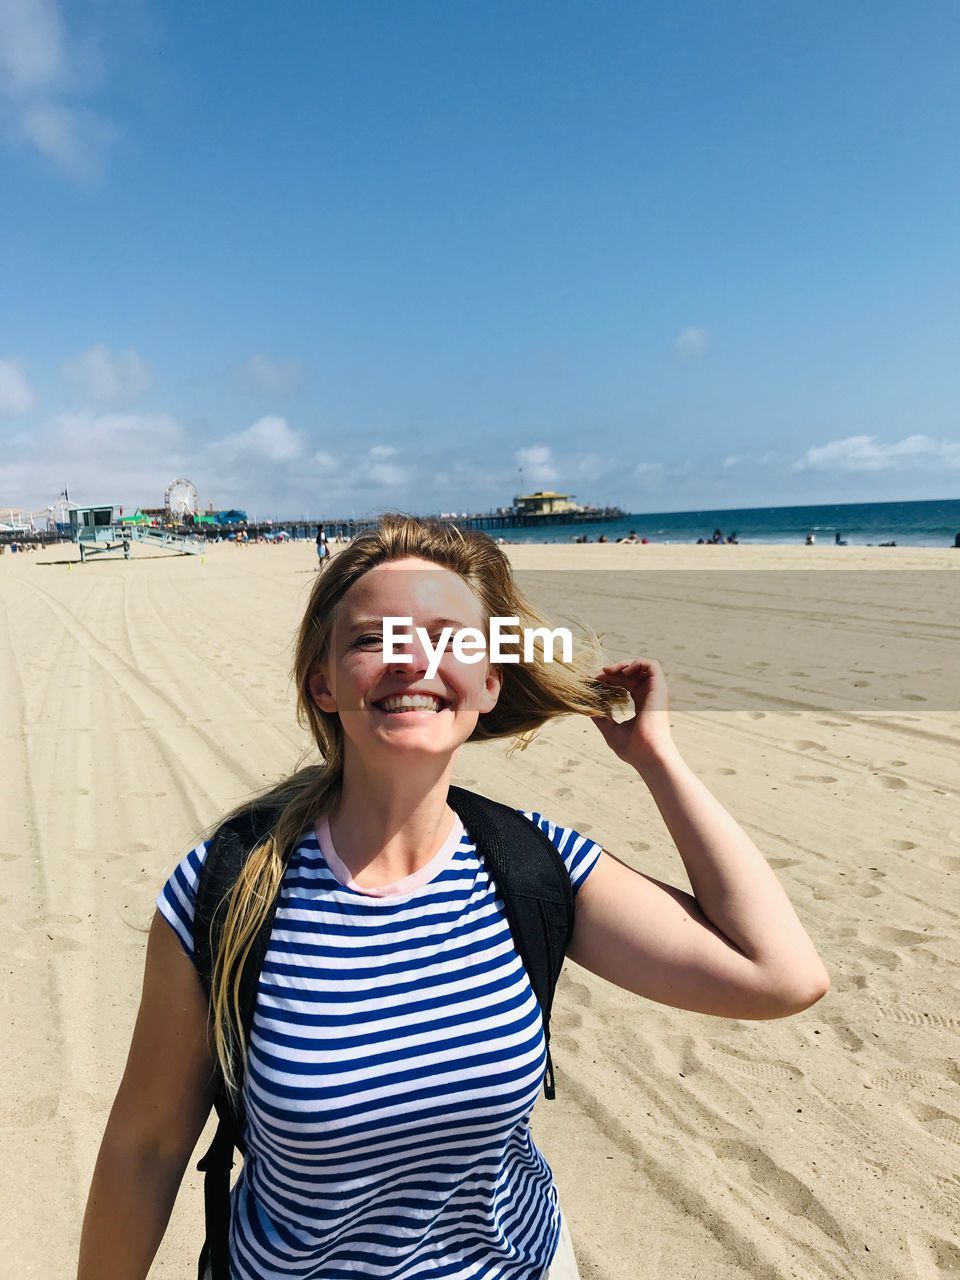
(538, 899)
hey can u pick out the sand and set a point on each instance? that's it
(813, 690)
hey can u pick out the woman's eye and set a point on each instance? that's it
(367, 641)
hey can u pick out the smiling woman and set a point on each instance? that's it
(386, 1049)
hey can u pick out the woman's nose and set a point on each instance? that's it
(419, 659)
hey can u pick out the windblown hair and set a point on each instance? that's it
(531, 693)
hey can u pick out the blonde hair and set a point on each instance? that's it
(531, 693)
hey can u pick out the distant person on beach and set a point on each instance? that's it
(323, 548)
(393, 1047)
(810, 539)
(838, 541)
(956, 541)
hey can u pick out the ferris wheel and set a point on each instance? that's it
(181, 497)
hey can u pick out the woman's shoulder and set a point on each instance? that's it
(177, 900)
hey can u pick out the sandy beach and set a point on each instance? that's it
(815, 692)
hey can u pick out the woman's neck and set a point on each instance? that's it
(385, 829)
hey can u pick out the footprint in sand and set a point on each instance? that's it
(861, 684)
(947, 862)
(803, 675)
(904, 937)
(581, 993)
(891, 783)
(57, 944)
(917, 1017)
(835, 724)
(9, 857)
(936, 1121)
(780, 864)
(903, 846)
(752, 715)
(793, 1195)
(913, 697)
(33, 1111)
(638, 846)
(882, 957)
(725, 772)
(807, 744)
(756, 1068)
(948, 1071)
(815, 777)
(861, 890)
(849, 1039)
(562, 792)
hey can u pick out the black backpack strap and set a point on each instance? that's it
(536, 889)
(226, 854)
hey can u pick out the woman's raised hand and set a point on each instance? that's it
(646, 736)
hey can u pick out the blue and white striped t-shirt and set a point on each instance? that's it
(395, 1057)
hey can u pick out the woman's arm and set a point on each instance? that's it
(157, 1117)
(735, 948)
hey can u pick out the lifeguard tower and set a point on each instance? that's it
(97, 531)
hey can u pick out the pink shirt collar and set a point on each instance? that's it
(408, 884)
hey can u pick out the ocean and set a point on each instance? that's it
(909, 524)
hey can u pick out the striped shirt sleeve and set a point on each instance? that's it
(580, 854)
(177, 899)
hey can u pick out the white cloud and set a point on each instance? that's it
(143, 434)
(44, 77)
(864, 453)
(324, 461)
(32, 43)
(75, 139)
(269, 439)
(749, 459)
(389, 474)
(538, 465)
(380, 452)
(275, 377)
(691, 343)
(114, 457)
(108, 378)
(16, 394)
(649, 471)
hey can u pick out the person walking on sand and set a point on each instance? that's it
(323, 546)
(396, 1047)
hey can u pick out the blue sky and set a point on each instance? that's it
(326, 258)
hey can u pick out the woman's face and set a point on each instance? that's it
(358, 685)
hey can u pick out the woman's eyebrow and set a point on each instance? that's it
(359, 623)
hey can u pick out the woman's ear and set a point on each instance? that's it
(491, 689)
(320, 691)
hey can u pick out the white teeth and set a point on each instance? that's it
(412, 702)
